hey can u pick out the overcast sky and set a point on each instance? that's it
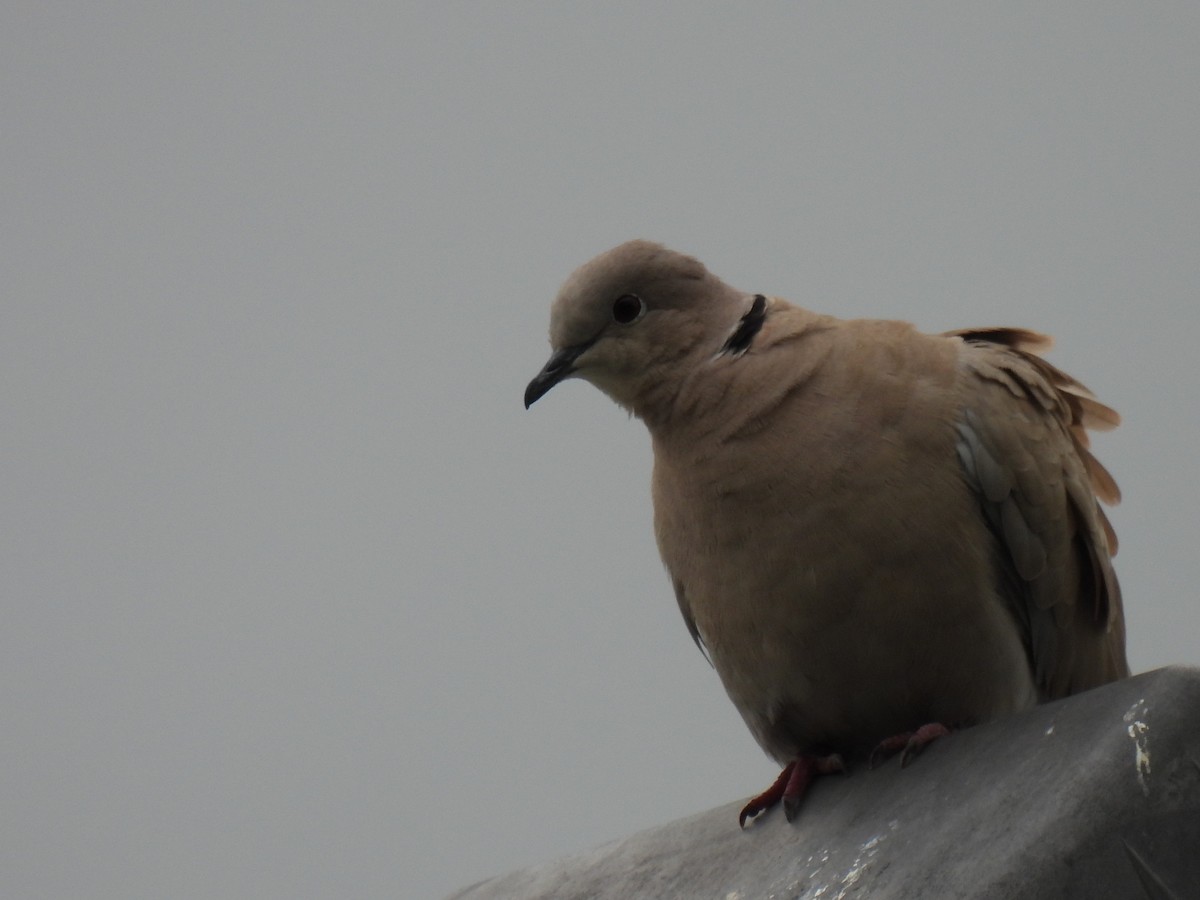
(299, 601)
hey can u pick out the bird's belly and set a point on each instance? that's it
(835, 648)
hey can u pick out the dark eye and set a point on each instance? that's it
(627, 308)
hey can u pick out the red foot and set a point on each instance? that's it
(911, 742)
(791, 785)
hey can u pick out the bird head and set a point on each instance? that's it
(628, 321)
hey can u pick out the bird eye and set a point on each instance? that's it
(627, 308)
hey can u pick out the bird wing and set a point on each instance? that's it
(1023, 444)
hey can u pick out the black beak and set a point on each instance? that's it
(560, 366)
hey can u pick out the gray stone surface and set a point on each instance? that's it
(1096, 796)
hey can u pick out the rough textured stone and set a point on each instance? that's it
(1096, 796)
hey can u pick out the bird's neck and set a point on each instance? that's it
(708, 392)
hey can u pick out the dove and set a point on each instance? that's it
(876, 535)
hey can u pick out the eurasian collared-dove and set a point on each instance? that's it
(875, 534)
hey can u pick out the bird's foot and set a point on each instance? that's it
(910, 742)
(791, 785)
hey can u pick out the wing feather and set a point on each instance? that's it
(1023, 444)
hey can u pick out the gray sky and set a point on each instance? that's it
(299, 601)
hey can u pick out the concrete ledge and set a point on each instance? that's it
(1096, 796)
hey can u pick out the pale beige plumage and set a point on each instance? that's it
(868, 528)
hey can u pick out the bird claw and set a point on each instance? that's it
(791, 785)
(910, 743)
